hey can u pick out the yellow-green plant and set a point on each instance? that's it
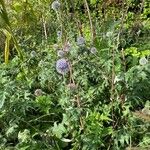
(8, 32)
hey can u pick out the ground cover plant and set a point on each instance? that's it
(74, 75)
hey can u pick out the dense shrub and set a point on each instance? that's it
(76, 76)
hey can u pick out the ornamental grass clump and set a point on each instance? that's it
(62, 66)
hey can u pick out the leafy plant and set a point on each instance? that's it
(84, 80)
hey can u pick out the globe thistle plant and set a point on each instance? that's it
(143, 61)
(80, 41)
(56, 5)
(62, 66)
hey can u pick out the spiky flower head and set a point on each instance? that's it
(62, 66)
(38, 92)
(80, 41)
(60, 53)
(56, 5)
(93, 50)
(143, 61)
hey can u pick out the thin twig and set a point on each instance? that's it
(79, 106)
(44, 27)
(71, 76)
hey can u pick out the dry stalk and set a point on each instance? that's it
(44, 27)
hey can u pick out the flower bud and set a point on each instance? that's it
(38, 92)
(80, 41)
(143, 61)
(60, 53)
(41, 63)
(109, 34)
(56, 5)
(59, 34)
(93, 50)
(33, 54)
(55, 46)
(72, 86)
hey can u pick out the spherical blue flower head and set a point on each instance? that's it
(60, 53)
(80, 41)
(56, 5)
(62, 66)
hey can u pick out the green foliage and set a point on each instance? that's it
(8, 32)
(102, 103)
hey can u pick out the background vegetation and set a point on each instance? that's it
(101, 102)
